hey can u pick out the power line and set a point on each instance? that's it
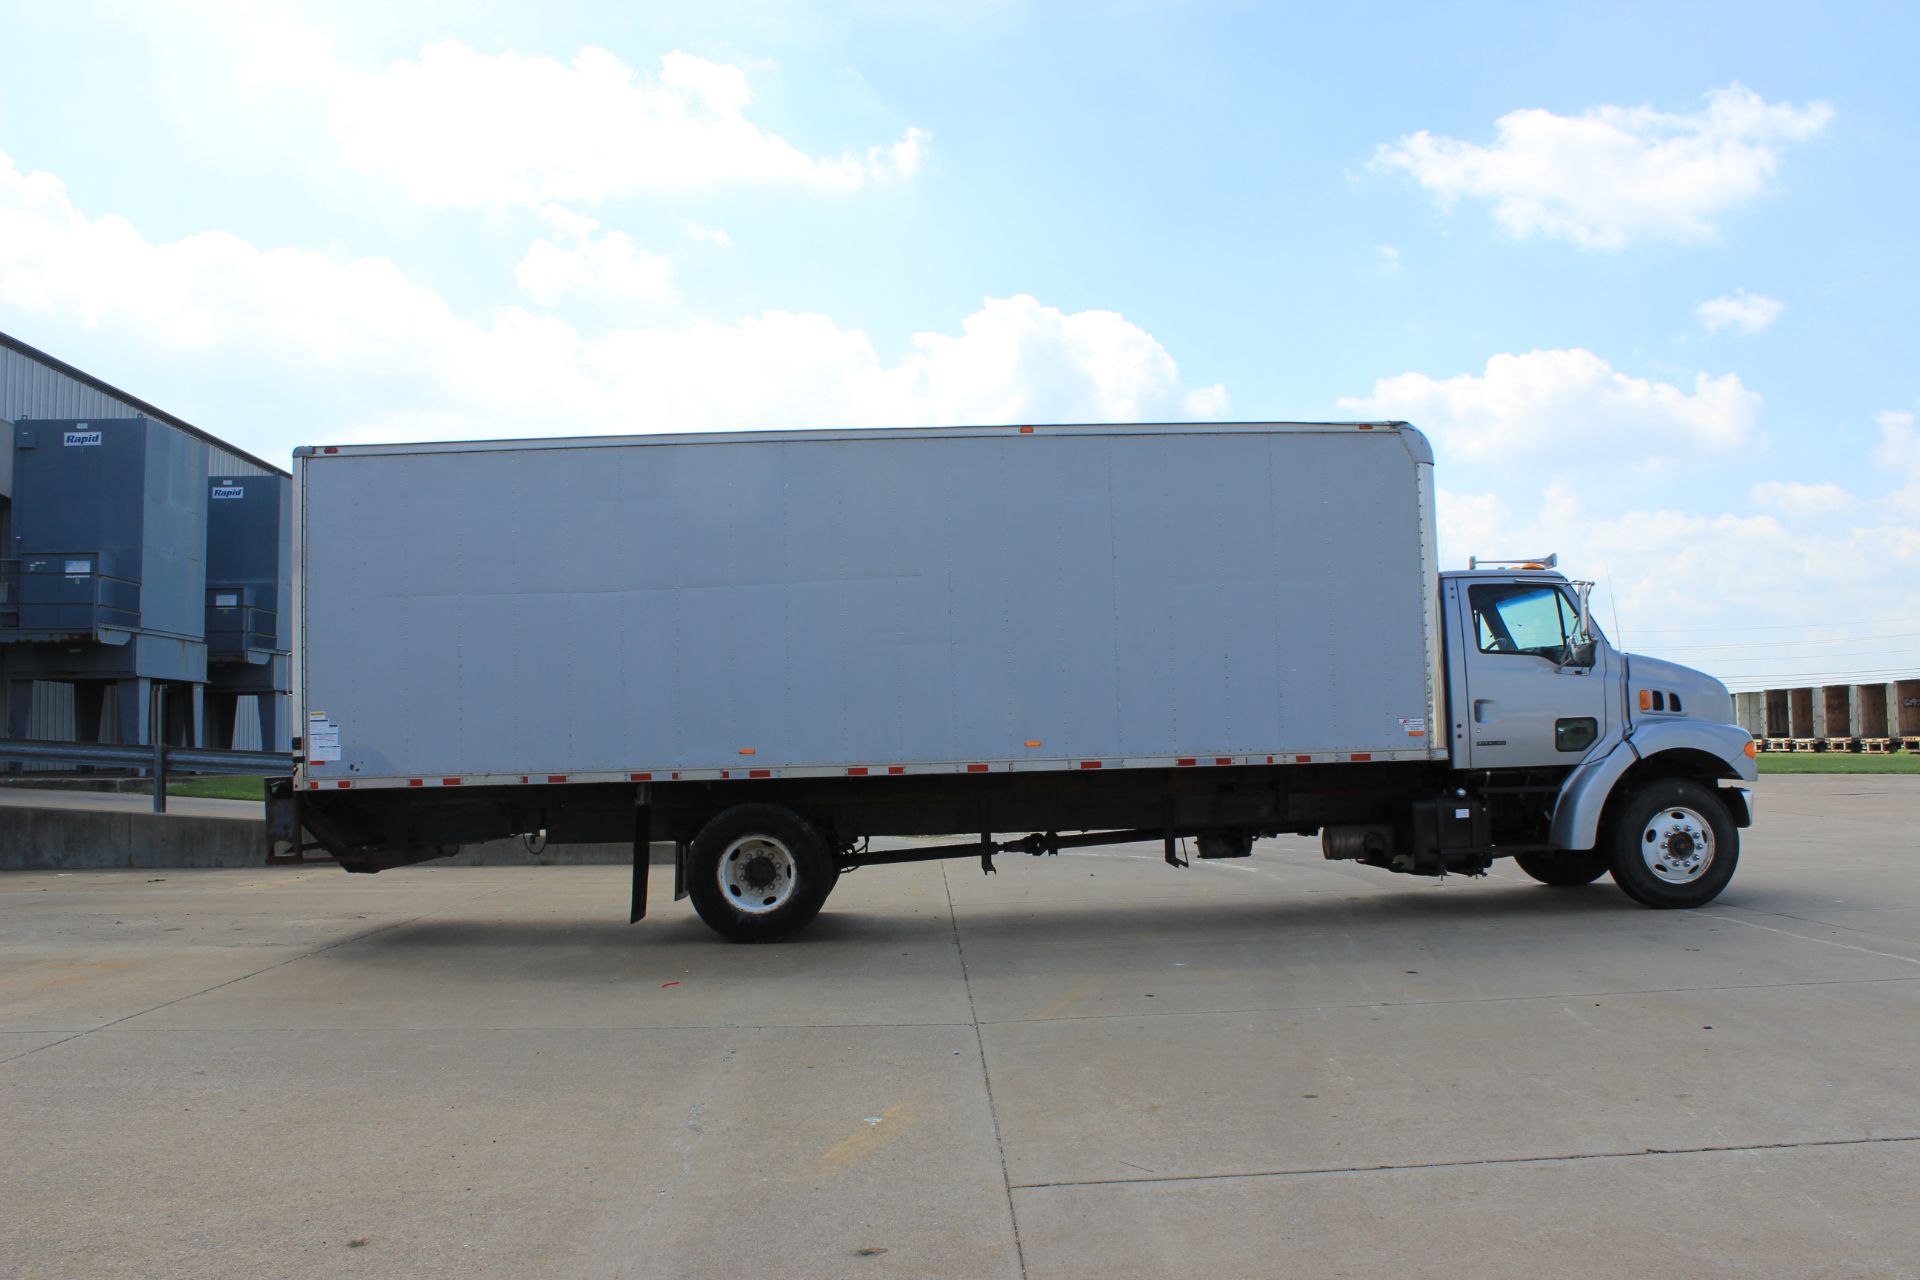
(1791, 657)
(1806, 679)
(1771, 626)
(1786, 644)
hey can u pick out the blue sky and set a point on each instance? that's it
(1643, 273)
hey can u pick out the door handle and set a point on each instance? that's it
(1484, 711)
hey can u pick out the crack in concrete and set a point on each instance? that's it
(1486, 1161)
(986, 1076)
(165, 1004)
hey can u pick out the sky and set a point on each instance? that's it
(1643, 273)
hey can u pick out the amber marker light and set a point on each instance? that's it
(1646, 700)
(1752, 749)
(747, 751)
(1033, 744)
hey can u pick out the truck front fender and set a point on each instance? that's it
(1584, 795)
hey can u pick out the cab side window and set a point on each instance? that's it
(1520, 618)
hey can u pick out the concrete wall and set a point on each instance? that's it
(50, 839)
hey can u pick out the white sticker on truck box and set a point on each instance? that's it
(74, 438)
(1414, 726)
(229, 491)
(323, 738)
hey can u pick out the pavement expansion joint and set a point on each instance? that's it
(986, 1075)
(1845, 946)
(1484, 1162)
(1444, 1002)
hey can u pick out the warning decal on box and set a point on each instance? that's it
(323, 738)
(1414, 727)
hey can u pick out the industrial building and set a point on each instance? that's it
(145, 566)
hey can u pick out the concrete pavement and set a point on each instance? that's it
(1084, 1066)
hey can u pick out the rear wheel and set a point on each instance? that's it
(1673, 845)
(1564, 870)
(757, 872)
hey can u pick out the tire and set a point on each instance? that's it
(1565, 870)
(1672, 845)
(758, 872)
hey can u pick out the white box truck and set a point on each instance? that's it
(769, 648)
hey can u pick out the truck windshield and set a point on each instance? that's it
(1521, 618)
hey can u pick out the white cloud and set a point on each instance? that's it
(1747, 312)
(1612, 175)
(459, 127)
(1692, 584)
(1804, 500)
(714, 236)
(1899, 453)
(585, 263)
(321, 323)
(1899, 444)
(1550, 402)
(1386, 259)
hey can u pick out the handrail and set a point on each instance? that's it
(158, 759)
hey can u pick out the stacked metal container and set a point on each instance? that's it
(249, 625)
(104, 586)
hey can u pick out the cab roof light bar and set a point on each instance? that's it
(1525, 562)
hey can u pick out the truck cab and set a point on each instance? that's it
(1595, 752)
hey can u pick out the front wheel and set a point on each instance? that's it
(757, 872)
(1673, 845)
(1564, 870)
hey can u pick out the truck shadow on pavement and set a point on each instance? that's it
(1380, 921)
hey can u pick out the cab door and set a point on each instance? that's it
(1536, 689)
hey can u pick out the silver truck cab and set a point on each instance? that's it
(1650, 768)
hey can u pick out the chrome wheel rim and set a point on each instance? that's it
(756, 874)
(1678, 845)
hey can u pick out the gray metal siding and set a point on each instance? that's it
(889, 598)
(31, 389)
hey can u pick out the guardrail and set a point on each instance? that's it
(159, 760)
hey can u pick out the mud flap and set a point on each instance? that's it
(642, 859)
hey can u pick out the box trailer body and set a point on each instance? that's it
(1199, 630)
(815, 602)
